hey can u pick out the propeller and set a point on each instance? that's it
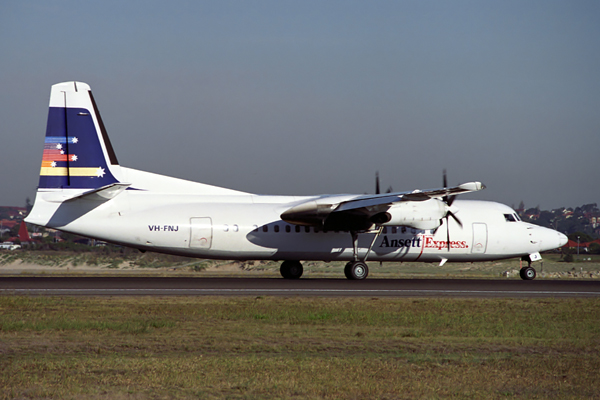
(377, 188)
(378, 191)
(449, 200)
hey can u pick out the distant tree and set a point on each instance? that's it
(14, 231)
(594, 248)
(28, 205)
(588, 208)
(521, 205)
(583, 237)
(545, 219)
(566, 255)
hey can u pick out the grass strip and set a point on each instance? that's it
(300, 348)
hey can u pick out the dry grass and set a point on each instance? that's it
(134, 263)
(323, 348)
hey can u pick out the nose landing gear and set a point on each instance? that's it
(528, 273)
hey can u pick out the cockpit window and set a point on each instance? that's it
(517, 217)
(510, 217)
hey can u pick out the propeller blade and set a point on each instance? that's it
(445, 182)
(445, 179)
(450, 200)
(448, 231)
(458, 221)
(377, 191)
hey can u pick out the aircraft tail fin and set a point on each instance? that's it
(77, 151)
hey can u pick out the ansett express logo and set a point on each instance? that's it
(426, 241)
(410, 242)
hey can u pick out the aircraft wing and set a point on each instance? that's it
(362, 212)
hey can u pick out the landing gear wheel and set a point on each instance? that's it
(527, 273)
(356, 270)
(347, 270)
(291, 269)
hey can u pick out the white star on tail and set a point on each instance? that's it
(74, 140)
(73, 157)
(53, 164)
(100, 172)
(59, 146)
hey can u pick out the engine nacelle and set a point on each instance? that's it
(417, 214)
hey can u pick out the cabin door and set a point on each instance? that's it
(480, 238)
(200, 233)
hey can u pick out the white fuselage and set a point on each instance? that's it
(249, 227)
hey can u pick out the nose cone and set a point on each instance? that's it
(562, 239)
(551, 239)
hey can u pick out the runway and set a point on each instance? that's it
(178, 286)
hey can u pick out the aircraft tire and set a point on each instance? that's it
(347, 270)
(356, 270)
(527, 273)
(291, 269)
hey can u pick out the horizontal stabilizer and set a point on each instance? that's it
(100, 194)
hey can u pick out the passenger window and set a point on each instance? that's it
(236, 228)
(265, 228)
(288, 229)
(307, 229)
(384, 229)
(226, 228)
(394, 229)
(297, 228)
(276, 228)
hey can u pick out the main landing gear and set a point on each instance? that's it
(291, 269)
(358, 269)
(355, 270)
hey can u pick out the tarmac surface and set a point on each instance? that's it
(192, 286)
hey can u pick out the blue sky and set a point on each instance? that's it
(308, 97)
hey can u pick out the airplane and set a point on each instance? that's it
(84, 190)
